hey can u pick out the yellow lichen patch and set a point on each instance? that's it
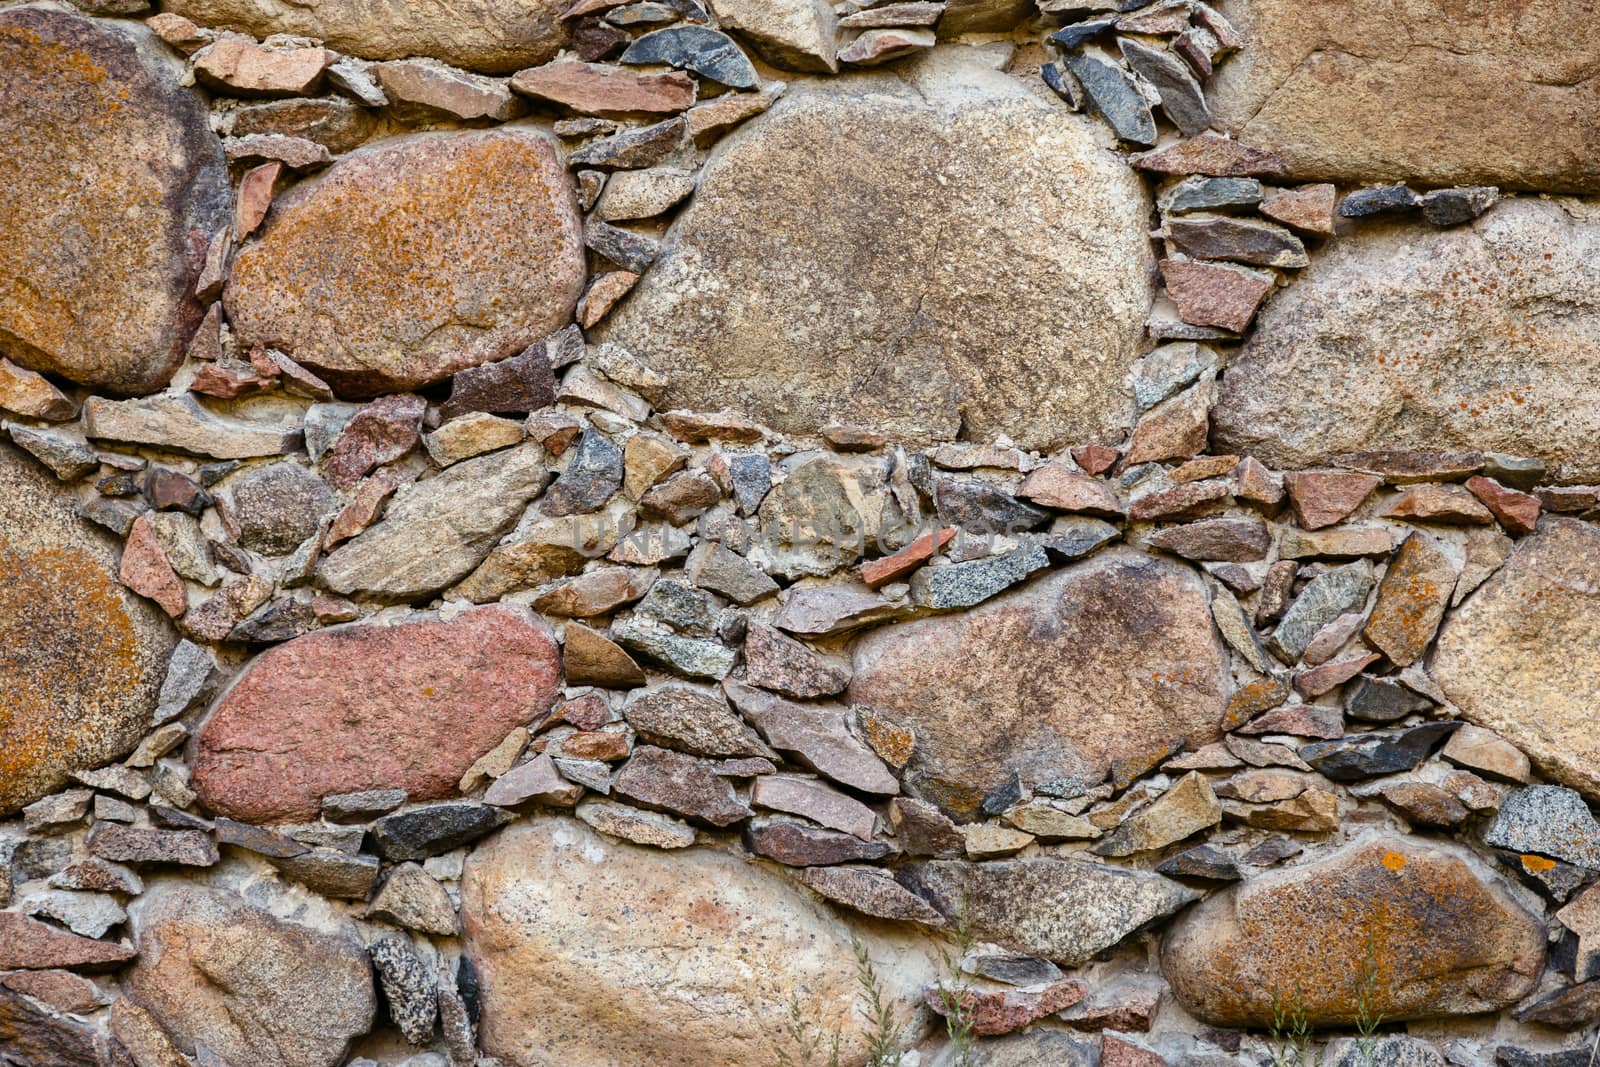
(1394, 861)
(1537, 863)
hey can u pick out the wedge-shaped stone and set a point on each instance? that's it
(1066, 910)
(437, 530)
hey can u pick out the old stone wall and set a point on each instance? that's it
(729, 533)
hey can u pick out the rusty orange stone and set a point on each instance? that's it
(114, 186)
(81, 658)
(1418, 929)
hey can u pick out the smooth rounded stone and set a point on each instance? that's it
(873, 315)
(114, 181)
(82, 657)
(406, 311)
(1353, 356)
(1108, 659)
(1415, 928)
(410, 703)
(495, 36)
(1516, 656)
(219, 971)
(1068, 911)
(569, 933)
(1423, 89)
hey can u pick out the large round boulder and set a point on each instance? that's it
(1111, 659)
(1406, 337)
(81, 658)
(592, 952)
(114, 187)
(223, 972)
(1398, 928)
(409, 703)
(415, 258)
(919, 253)
(1518, 656)
(1439, 91)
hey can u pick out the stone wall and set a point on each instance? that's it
(717, 533)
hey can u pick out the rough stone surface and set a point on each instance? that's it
(1351, 97)
(437, 530)
(905, 365)
(479, 257)
(1511, 657)
(689, 717)
(1066, 910)
(1446, 940)
(409, 704)
(1411, 600)
(498, 36)
(1049, 675)
(741, 938)
(85, 292)
(1355, 355)
(83, 659)
(252, 988)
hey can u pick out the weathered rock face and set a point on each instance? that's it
(409, 705)
(539, 899)
(81, 658)
(1358, 92)
(1517, 656)
(479, 256)
(897, 305)
(1413, 923)
(1111, 659)
(218, 971)
(1402, 338)
(103, 234)
(497, 36)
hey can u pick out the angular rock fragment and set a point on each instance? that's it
(798, 844)
(818, 734)
(1068, 911)
(428, 831)
(1115, 96)
(183, 424)
(682, 785)
(1549, 820)
(1411, 600)
(29, 944)
(1359, 756)
(691, 718)
(707, 52)
(1237, 240)
(1324, 599)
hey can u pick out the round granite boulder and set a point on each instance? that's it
(114, 187)
(81, 658)
(415, 258)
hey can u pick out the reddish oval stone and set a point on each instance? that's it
(407, 705)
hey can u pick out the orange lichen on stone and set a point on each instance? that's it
(414, 259)
(98, 230)
(1406, 929)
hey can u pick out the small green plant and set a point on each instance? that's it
(883, 1028)
(954, 993)
(1367, 1018)
(810, 1041)
(1290, 1043)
